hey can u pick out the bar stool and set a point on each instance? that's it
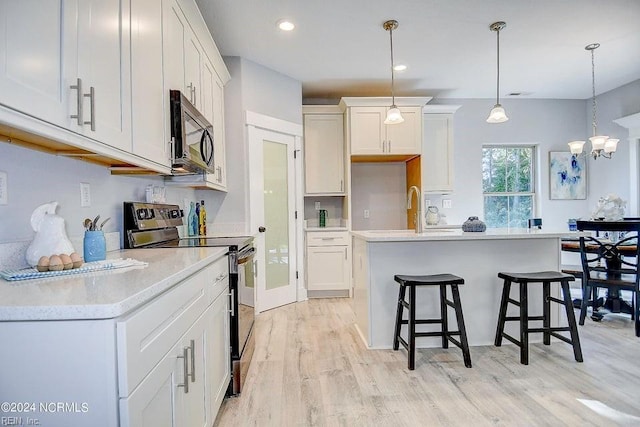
(546, 278)
(442, 280)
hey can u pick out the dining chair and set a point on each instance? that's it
(610, 264)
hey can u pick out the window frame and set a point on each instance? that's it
(533, 193)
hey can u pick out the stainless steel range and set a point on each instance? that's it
(152, 225)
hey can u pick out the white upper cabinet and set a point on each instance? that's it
(70, 65)
(189, 67)
(368, 135)
(36, 58)
(323, 151)
(193, 63)
(147, 109)
(104, 67)
(437, 167)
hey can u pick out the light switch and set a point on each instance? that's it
(366, 213)
(4, 196)
(446, 203)
(317, 206)
(85, 194)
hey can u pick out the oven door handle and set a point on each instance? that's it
(246, 255)
(232, 303)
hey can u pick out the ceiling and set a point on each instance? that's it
(339, 47)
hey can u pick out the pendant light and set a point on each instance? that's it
(601, 145)
(497, 114)
(393, 115)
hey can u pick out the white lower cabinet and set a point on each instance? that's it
(328, 261)
(167, 363)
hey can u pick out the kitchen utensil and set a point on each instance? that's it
(103, 223)
(94, 223)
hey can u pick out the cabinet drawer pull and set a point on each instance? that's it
(78, 88)
(92, 103)
(327, 238)
(185, 369)
(193, 361)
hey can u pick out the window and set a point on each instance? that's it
(508, 185)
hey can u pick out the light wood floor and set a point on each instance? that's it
(310, 368)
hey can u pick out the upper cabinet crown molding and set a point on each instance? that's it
(321, 109)
(377, 101)
(197, 23)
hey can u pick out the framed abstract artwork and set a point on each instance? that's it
(567, 176)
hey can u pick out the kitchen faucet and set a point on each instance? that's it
(418, 218)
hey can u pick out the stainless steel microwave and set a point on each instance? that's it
(191, 137)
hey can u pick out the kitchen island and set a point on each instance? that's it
(477, 257)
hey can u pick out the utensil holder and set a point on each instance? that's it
(95, 246)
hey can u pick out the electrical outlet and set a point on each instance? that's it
(4, 196)
(366, 213)
(317, 206)
(446, 203)
(427, 202)
(85, 195)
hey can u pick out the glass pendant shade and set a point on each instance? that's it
(597, 142)
(393, 116)
(610, 145)
(576, 146)
(497, 115)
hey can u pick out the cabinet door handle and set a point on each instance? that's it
(194, 95)
(92, 103)
(341, 186)
(389, 146)
(384, 144)
(185, 369)
(193, 360)
(78, 88)
(190, 87)
(345, 253)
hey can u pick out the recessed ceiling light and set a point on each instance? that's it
(286, 25)
(400, 67)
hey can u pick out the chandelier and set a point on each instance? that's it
(601, 145)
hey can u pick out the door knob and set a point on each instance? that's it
(262, 229)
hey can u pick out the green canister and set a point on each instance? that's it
(322, 218)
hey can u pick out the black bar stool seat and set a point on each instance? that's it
(546, 278)
(441, 280)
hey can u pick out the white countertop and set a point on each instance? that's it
(104, 294)
(440, 234)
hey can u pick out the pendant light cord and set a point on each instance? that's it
(393, 98)
(498, 67)
(594, 123)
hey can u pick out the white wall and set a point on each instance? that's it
(380, 188)
(549, 124)
(35, 178)
(261, 90)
